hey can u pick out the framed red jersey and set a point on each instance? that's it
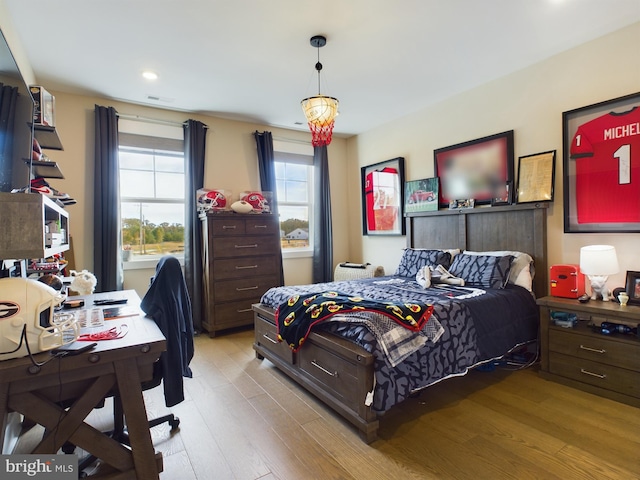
(602, 167)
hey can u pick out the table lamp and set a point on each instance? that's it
(597, 262)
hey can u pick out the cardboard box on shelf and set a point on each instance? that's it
(44, 108)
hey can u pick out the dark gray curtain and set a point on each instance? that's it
(195, 134)
(267, 171)
(322, 233)
(107, 262)
(8, 99)
(264, 144)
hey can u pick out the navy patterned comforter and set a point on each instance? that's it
(477, 326)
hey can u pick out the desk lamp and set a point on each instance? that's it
(598, 262)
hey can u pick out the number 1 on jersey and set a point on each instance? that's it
(623, 154)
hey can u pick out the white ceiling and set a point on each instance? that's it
(251, 59)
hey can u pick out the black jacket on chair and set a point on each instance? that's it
(167, 302)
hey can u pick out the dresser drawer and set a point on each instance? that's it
(233, 314)
(247, 246)
(253, 287)
(596, 348)
(598, 374)
(242, 267)
(266, 336)
(226, 226)
(262, 225)
(333, 372)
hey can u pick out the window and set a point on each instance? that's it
(294, 180)
(152, 197)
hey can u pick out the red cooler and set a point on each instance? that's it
(566, 281)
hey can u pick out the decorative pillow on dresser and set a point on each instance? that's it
(482, 271)
(413, 259)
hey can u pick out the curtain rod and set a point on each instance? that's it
(138, 118)
(293, 140)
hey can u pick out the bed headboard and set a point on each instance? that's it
(513, 227)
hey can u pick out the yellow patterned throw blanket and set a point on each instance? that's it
(296, 316)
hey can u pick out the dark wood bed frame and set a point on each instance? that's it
(339, 372)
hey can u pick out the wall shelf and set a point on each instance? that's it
(46, 169)
(47, 137)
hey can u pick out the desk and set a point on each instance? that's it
(114, 365)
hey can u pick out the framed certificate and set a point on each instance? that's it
(536, 177)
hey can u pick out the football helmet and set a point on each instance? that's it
(27, 317)
(257, 201)
(211, 200)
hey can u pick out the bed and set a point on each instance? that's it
(362, 364)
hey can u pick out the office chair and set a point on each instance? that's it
(167, 302)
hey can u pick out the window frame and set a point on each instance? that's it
(150, 144)
(298, 159)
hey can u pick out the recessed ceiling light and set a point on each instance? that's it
(149, 75)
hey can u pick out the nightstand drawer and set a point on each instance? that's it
(598, 374)
(266, 336)
(595, 348)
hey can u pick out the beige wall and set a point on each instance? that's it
(230, 163)
(530, 102)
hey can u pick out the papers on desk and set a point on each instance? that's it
(90, 317)
(111, 313)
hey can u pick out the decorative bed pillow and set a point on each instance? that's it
(522, 269)
(413, 259)
(483, 271)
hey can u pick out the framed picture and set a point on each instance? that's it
(601, 165)
(502, 195)
(462, 203)
(475, 169)
(383, 198)
(632, 287)
(421, 195)
(536, 177)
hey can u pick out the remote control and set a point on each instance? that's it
(584, 298)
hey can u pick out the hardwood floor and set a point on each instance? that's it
(242, 419)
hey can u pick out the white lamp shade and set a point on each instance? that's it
(599, 260)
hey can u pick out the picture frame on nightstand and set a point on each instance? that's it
(632, 287)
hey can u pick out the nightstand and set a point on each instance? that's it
(605, 365)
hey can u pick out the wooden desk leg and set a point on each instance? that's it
(4, 398)
(135, 413)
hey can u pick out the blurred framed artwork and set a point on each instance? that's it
(475, 169)
(383, 198)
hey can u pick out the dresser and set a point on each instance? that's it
(241, 260)
(605, 365)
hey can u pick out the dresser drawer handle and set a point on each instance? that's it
(255, 245)
(238, 289)
(245, 267)
(334, 374)
(592, 349)
(225, 227)
(269, 338)
(598, 375)
(260, 226)
(243, 310)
